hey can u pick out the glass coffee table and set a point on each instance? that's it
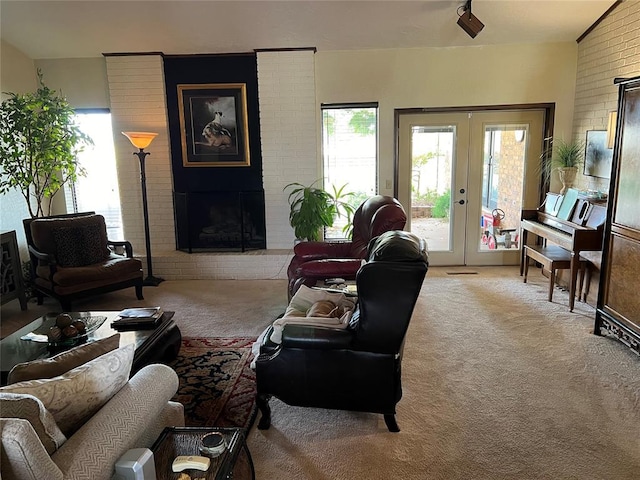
(235, 462)
(159, 344)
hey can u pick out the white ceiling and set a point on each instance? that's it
(88, 28)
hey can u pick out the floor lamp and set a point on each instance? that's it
(142, 140)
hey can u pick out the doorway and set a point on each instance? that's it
(465, 176)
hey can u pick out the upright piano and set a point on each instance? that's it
(583, 232)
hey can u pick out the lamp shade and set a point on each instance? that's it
(140, 139)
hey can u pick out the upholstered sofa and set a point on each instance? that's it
(44, 438)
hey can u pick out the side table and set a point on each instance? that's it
(235, 463)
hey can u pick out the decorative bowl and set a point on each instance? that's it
(39, 335)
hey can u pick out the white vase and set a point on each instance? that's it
(567, 177)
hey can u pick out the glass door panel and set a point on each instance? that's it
(432, 155)
(432, 181)
(464, 179)
(505, 149)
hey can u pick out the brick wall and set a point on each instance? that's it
(138, 103)
(611, 50)
(289, 150)
(510, 186)
(286, 86)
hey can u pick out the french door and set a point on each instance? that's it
(464, 178)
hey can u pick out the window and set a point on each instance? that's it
(491, 170)
(350, 153)
(98, 190)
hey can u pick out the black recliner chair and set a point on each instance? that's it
(357, 368)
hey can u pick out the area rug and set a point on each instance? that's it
(217, 385)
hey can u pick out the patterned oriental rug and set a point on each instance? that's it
(217, 385)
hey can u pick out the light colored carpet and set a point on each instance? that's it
(204, 308)
(498, 384)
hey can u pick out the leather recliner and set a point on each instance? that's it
(314, 261)
(356, 368)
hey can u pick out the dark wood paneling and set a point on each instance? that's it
(618, 311)
(622, 291)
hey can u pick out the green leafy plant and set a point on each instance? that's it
(39, 143)
(363, 122)
(343, 207)
(313, 208)
(442, 205)
(561, 154)
(567, 154)
(427, 198)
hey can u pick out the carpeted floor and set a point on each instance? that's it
(217, 385)
(498, 384)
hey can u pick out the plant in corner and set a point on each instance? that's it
(39, 143)
(313, 208)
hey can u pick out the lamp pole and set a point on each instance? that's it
(150, 280)
(142, 140)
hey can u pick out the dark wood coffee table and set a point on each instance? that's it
(158, 345)
(235, 462)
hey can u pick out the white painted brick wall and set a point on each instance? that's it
(138, 103)
(288, 124)
(611, 50)
(289, 148)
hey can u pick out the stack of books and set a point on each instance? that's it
(138, 318)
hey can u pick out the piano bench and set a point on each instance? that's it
(552, 258)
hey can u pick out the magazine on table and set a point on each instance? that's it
(138, 317)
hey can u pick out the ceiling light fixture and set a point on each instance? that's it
(468, 21)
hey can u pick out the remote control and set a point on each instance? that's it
(190, 461)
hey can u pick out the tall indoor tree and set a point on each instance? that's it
(39, 143)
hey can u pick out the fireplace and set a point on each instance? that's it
(220, 221)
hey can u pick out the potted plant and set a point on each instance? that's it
(565, 157)
(313, 208)
(39, 143)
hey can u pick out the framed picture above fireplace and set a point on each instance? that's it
(213, 125)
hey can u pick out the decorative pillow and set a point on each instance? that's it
(80, 246)
(28, 407)
(62, 362)
(77, 395)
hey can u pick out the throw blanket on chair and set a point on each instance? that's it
(312, 307)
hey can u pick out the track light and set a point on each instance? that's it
(468, 21)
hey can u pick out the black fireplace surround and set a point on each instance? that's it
(220, 221)
(217, 208)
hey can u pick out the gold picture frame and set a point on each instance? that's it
(214, 129)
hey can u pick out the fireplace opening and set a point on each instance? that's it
(220, 221)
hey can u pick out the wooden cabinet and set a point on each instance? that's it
(11, 270)
(618, 311)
